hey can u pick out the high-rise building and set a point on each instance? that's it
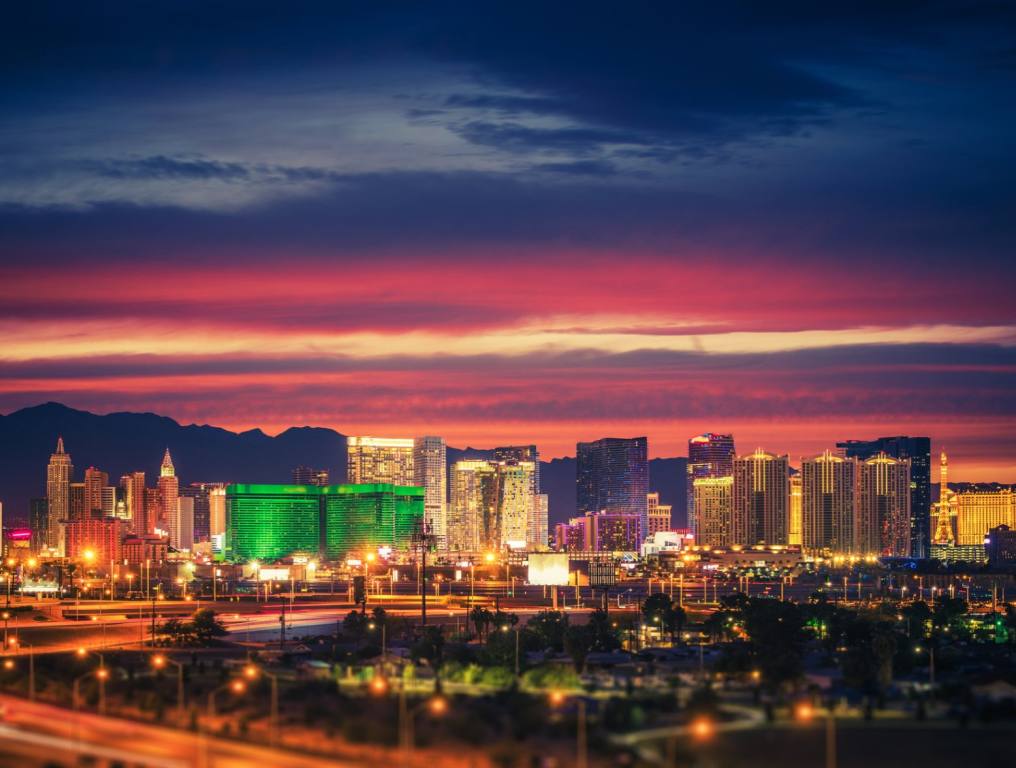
(883, 510)
(142, 517)
(363, 518)
(521, 453)
(59, 473)
(95, 481)
(181, 524)
(169, 490)
(760, 499)
(95, 540)
(917, 452)
(308, 476)
(829, 502)
(539, 523)
(612, 475)
(76, 501)
(709, 455)
(714, 510)
(658, 515)
(430, 470)
(491, 505)
(38, 521)
(979, 508)
(216, 511)
(599, 532)
(270, 522)
(795, 536)
(380, 460)
(108, 500)
(537, 534)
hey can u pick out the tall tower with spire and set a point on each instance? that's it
(59, 473)
(945, 509)
(169, 493)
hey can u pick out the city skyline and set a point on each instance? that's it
(474, 225)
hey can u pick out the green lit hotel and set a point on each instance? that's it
(271, 522)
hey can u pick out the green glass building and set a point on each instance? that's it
(271, 522)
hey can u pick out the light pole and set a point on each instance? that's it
(581, 747)
(100, 674)
(437, 705)
(252, 672)
(235, 686)
(159, 661)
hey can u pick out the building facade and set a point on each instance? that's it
(98, 540)
(59, 474)
(380, 460)
(883, 509)
(658, 515)
(760, 499)
(709, 455)
(309, 476)
(272, 522)
(829, 502)
(492, 505)
(916, 451)
(430, 472)
(795, 534)
(169, 490)
(714, 510)
(612, 476)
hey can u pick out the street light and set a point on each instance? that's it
(702, 728)
(436, 705)
(159, 661)
(236, 687)
(251, 672)
(557, 698)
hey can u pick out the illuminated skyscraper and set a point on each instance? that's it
(657, 514)
(202, 495)
(612, 475)
(181, 524)
(142, 520)
(380, 460)
(474, 505)
(795, 536)
(539, 523)
(216, 511)
(917, 452)
(95, 481)
(760, 499)
(270, 522)
(430, 469)
(714, 510)
(709, 455)
(169, 490)
(537, 535)
(829, 502)
(883, 510)
(58, 481)
(492, 505)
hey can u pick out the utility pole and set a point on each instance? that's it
(422, 538)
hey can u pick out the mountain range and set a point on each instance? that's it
(125, 442)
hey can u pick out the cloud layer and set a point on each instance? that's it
(517, 221)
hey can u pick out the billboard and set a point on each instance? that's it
(548, 569)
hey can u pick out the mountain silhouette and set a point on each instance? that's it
(119, 443)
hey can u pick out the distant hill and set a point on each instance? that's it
(125, 442)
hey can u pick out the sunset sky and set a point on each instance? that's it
(520, 222)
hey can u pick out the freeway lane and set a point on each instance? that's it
(63, 734)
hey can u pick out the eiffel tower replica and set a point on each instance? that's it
(945, 510)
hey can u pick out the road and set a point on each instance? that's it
(64, 734)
